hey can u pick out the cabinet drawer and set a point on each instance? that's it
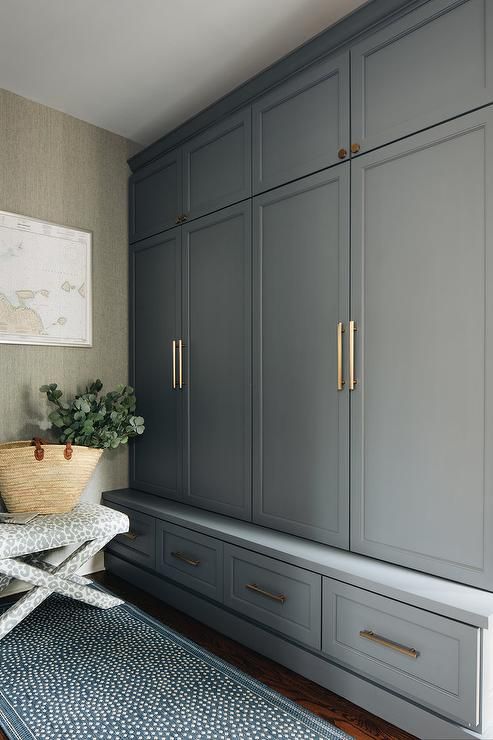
(217, 166)
(302, 125)
(285, 598)
(406, 76)
(138, 545)
(190, 558)
(431, 659)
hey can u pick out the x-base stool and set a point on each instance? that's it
(22, 550)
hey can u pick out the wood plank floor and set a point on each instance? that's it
(343, 714)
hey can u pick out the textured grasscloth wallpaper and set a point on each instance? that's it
(55, 167)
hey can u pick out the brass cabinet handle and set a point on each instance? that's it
(342, 153)
(130, 535)
(184, 559)
(178, 220)
(369, 635)
(173, 361)
(275, 597)
(352, 379)
(180, 364)
(184, 217)
(340, 378)
(355, 148)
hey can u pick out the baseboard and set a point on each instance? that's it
(365, 694)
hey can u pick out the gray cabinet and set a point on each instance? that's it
(430, 659)
(302, 125)
(422, 271)
(155, 292)
(217, 166)
(155, 196)
(432, 64)
(301, 285)
(217, 356)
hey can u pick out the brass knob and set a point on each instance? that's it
(184, 217)
(355, 148)
(178, 220)
(342, 153)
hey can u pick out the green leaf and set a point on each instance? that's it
(44, 388)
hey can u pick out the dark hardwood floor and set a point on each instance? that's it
(343, 714)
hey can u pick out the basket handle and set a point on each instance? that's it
(39, 453)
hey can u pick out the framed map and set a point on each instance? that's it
(45, 283)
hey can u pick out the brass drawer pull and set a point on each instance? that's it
(275, 597)
(369, 635)
(184, 559)
(340, 376)
(130, 535)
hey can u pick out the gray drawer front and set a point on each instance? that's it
(139, 544)
(301, 125)
(442, 674)
(190, 558)
(430, 65)
(281, 596)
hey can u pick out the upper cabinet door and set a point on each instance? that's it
(302, 125)
(217, 166)
(433, 64)
(217, 333)
(155, 197)
(155, 294)
(301, 418)
(422, 297)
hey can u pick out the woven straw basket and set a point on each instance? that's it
(44, 478)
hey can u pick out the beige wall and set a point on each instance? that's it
(60, 169)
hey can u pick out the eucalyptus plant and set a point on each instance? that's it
(95, 420)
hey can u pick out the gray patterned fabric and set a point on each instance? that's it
(21, 557)
(48, 531)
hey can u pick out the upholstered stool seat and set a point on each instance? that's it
(22, 550)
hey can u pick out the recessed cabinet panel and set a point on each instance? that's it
(426, 657)
(217, 333)
(217, 166)
(156, 310)
(301, 125)
(155, 197)
(301, 430)
(422, 264)
(434, 63)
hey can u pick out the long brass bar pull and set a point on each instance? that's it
(275, 597)
(180, 364)
(173, 360)
(184, 559)
(340, 377)
(352, 379)
(369, 635)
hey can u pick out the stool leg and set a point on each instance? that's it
(45, 583)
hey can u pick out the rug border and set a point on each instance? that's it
(326, 729)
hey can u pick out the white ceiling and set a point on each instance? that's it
(141, 67)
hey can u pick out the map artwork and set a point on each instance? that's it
(45, 283)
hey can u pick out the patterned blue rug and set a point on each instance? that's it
(73, 672)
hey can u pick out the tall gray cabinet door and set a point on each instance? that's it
(217, 334)
(155, 196)
(422, 297)
(430, 65)
(155, 292)
(217, 166)
(301, 286)
(302, 125)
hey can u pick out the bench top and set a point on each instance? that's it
(48, 531)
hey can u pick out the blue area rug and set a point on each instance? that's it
(73, 672)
